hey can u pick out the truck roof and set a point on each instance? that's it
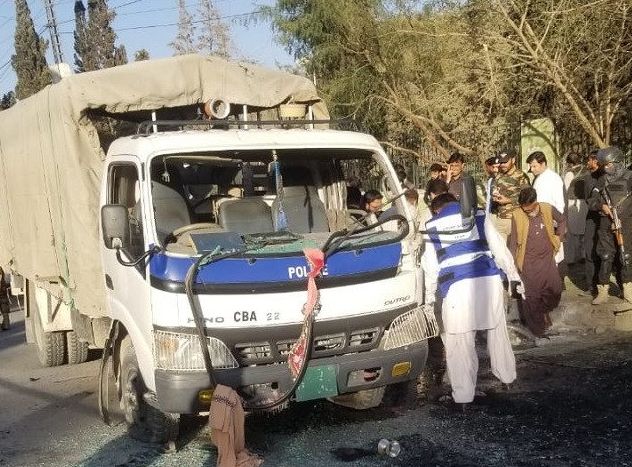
(145, 146)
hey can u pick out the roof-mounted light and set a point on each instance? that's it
(217, 108)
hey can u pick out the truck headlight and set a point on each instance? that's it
(177, 351)
(413, 326)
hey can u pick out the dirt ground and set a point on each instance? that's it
(571, 405)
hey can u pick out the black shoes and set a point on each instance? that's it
(460, 407)
(454, 407)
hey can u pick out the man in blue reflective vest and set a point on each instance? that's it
(463, 268)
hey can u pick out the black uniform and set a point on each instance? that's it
(590, 233)
(618, 185)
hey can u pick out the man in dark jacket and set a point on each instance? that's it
(591, 266)
(460, 181)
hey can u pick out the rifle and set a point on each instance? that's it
(617, 228)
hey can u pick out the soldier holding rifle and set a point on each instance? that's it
(611, 198)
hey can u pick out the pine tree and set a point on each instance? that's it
(100, 32)
(8, 100)
(120, 55)
(81, 45)
(29, 61)
(95, 46)
(184, 40)
(141, 55)
(214, 39)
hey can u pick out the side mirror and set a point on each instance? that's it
(115, 226)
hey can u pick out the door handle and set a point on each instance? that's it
(108, 282)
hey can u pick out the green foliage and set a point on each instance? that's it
(577, 55)
(120, 55)
(81, 41)
(400, 69)
(140, 55)
(184, 42)
(29, 61)
(457, 74)
(8, 100)
(95, 39)
(320, 33)
(214, 37)
(211, 36)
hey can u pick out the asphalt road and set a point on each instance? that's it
(572, 405)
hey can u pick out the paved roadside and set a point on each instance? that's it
(570, 406)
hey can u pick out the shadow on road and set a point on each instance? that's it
(56, 402)
(12, 337)
(123, 451)
(126, 451)
(15, 335)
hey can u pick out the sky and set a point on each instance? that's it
(148, 24)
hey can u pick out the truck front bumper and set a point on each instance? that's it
(178, 391)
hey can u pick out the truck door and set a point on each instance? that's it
(127, 286)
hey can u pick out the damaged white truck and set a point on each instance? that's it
(193, 227)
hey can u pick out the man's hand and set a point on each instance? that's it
(517, 288)
(448, 174)
(606, 210)
(500, 199)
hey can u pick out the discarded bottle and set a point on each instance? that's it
(390, 448)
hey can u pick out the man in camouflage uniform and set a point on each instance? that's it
(485, 183)
(507, 186)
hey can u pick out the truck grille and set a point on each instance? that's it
(364, 338)
(259, 352)
(324, 346)
(329, 343)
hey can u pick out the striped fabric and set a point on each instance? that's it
(462, 255)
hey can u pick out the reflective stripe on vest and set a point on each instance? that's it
(460, 256)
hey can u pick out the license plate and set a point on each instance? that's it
(319, 382)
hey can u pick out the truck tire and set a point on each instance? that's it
(144, 422)
(361, 400)
(51, 346)
(402, 394)
(77, 350)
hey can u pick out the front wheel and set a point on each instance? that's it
(144, 422)
(361, 400)
(402, 394)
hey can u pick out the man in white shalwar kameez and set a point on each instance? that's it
(549, 186)
(464, 269)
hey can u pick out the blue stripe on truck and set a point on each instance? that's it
(270, 269)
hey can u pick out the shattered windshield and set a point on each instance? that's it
(269, 201)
